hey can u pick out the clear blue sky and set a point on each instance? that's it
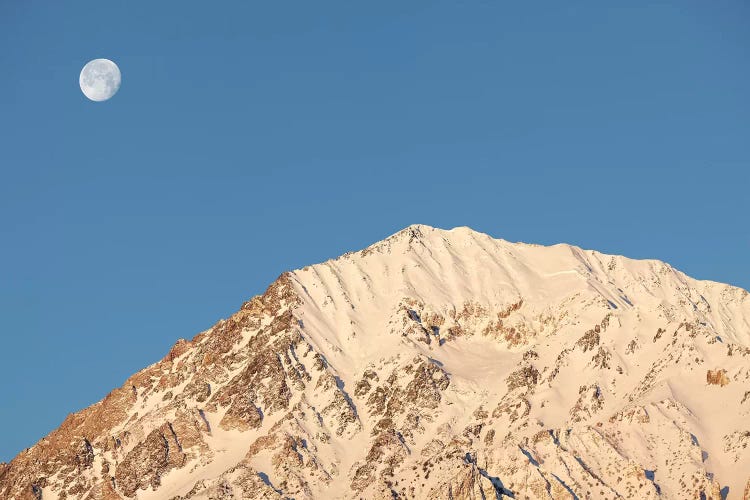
(248, 139)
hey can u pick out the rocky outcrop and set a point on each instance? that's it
(149, 460)
(717, 377)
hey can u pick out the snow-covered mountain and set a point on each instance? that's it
(433, 364)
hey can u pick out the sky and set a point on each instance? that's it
(251, 138)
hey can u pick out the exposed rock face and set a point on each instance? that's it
(150, 459)
(434, 364)
(717, 377)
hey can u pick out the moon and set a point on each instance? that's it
(100, 79)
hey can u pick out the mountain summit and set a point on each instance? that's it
(432, 364)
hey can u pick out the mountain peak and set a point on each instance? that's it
(416, 236)
(432, 364)
(422, 230)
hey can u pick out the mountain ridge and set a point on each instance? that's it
(397, 350)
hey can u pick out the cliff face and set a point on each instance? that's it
(433, 364)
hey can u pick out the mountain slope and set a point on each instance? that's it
(433, 364)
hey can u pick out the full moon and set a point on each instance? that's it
(100, 79)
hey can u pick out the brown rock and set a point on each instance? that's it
(149, 460)
(717, 377)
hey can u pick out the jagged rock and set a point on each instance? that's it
(589, 340)
(528, 376)
(149, 460)
(241, 415)
(601, 359)
(717, 377)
